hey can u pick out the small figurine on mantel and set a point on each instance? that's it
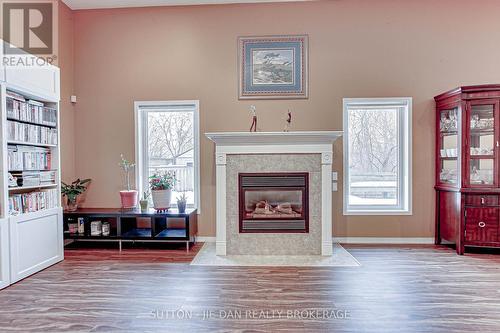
(288, 121)
(253, 128)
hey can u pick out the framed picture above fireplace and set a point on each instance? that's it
(273, 67)
(274, 202)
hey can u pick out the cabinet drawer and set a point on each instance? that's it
(481, 225)
(481, 200)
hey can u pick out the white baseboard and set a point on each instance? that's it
(384, 240)
(358, 240)
(205, 239)
(220, 248)
(326, 249)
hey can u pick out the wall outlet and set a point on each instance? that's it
(334, 187)
(73, 99)
(334, 176)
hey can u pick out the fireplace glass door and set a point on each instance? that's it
(273, 202)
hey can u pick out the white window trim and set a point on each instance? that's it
(140, 137)
(405, 155)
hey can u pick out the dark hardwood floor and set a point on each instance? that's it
(137, 252)
(397, 289)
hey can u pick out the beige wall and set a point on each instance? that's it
(382, 48)
(65, 61)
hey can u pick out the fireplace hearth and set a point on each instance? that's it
(274, 202)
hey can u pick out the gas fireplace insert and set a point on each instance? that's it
(274, 202)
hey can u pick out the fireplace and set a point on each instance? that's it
(273, 153)
(274, 202)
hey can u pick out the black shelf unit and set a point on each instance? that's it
(171, 233)
(136, 225)
(67, 235)
(137, 233)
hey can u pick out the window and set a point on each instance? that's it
(167, 140)
(377, 156)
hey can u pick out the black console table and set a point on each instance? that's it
(134, 225)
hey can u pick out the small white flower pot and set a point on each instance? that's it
(161, 199)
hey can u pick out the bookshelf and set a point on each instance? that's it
(31, 230)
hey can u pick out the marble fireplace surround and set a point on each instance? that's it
(274, 152)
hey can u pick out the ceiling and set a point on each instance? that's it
(93, 4)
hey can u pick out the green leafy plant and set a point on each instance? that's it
(162, 181)
(144, 202)
(182, 198)
(181, 202)
(126, 166)
(73, 190)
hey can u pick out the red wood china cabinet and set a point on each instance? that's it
(467, 174)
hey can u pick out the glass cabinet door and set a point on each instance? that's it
(482, 143)
(449, 148)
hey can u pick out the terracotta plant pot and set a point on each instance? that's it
(129, 199)
(161, 199)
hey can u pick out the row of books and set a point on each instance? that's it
(36, 178)
(31, 133)
(33, 201)
(30, 111)
(21, 158)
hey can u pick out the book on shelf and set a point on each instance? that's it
(30, 111)
(21, 132)
(21, 158)
(47, 177)
(36, 178)
(33, 201)
(16, 96)
(35, 103)
(30, 178)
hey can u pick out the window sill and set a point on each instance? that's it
(174, 206)
(198, 212)
(379, 212)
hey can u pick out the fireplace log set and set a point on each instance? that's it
(265, 210)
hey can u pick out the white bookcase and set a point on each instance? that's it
(29, 240)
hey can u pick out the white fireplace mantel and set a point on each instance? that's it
(307, 142)
(273, 138)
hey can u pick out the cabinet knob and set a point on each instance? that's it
(482, 201)
(481, 224)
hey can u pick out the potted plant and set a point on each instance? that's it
(181, 202)
(72, 192)
(161, 185)
(144, 202)
(128, 197)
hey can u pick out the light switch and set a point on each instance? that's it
(334, 187)
(334, 176)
